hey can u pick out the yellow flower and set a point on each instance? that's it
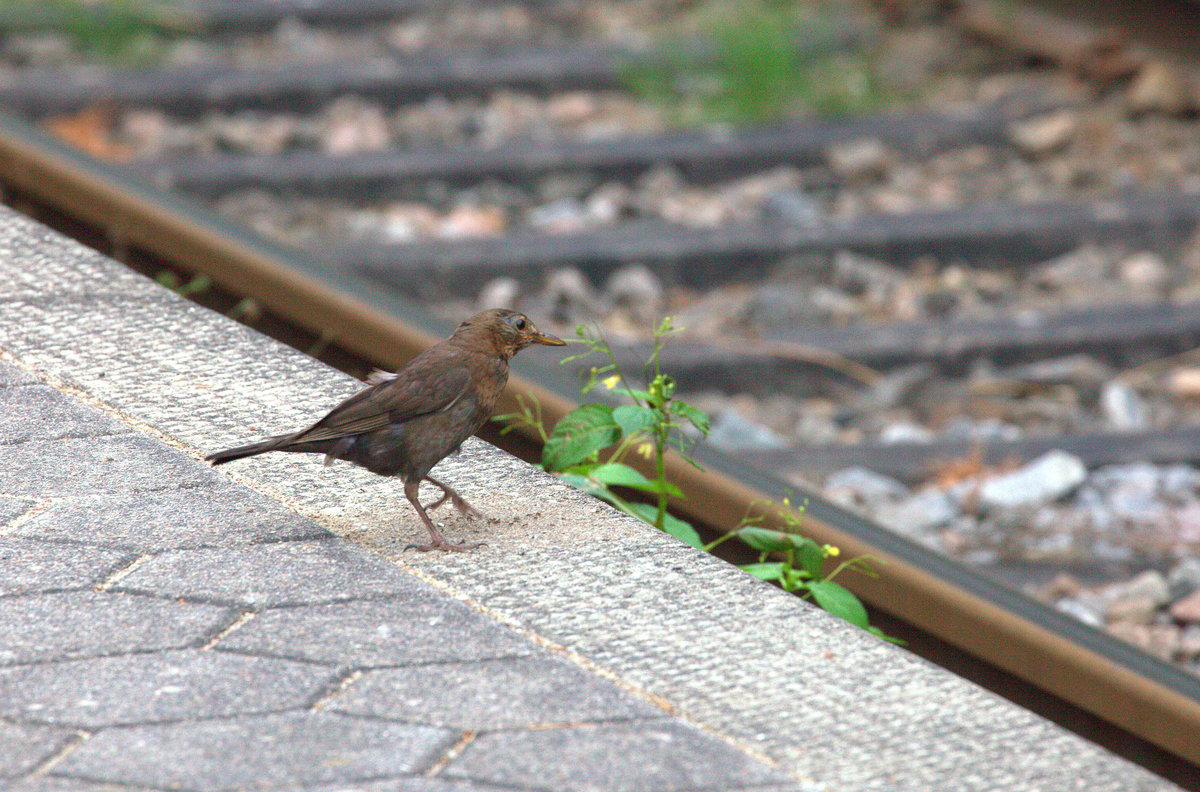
(832, 551)
(612, 382)
(646, 450)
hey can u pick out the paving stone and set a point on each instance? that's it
(39, 412)
(491, 694)
(85, 623)
(146, 688)
(224, 514)
(409, 784)
(649, 756)
(282, 573)
(379, 633)
(23, 746)
(258, 751)
(11, 375)
(31, 565)
(440, 785)
(50, 783)
(12, 508)
(93, 465)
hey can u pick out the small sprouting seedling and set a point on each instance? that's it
(648, 427)
(197, 285)
(797, 564)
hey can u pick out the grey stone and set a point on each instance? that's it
(559, 216)
(23, 746)
(1123, 407)
(1151, 586)
(792, 206)
(919, 514)
(32, 566)
(1044, 134)
(1046, 479)
(1081, 610)
(906, 432)
(1180, 482)
(568, 288)
(39, 412)
(861, 487)
(224, 514)
(733, 432)
(1184, 577)
(95, 465)
(625, 757)
(636, 288)
(1159, 88)
(145, 688)
(85, 623)
(491, 694)
(11, 375)
(862, 275)
(499, 293)
(862, 158)
(268, 575)
(256, 751)
(1131, 492)
(379, 632)
(1145, 272)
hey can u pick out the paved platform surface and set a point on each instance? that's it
(165, 625)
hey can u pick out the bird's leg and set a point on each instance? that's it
(437, 540)
(459, 502)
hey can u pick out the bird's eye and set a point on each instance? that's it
(519, 323)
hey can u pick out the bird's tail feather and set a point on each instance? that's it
(241, 452)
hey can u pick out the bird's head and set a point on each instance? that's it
(508, 332)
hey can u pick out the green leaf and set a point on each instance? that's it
(633, 418)
(838, 600)
(581, 433)
(692, 415)
(812, 558)
(770, 570)
(616, 474)
(620, 475)
(582, 482)
(771, 541)
(676, 527)
(764, 539)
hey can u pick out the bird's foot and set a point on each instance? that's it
(459, 503)
(440, 543)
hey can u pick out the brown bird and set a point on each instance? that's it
(407, 422)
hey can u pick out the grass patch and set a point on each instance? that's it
(766, 61)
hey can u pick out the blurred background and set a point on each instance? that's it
(935, 260)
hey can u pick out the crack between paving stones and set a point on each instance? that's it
(72, 742)
(39, 505)
(93, 436)
(339, 683)
(453, 752)
(236, 623)
(118, 574)
(136, 425)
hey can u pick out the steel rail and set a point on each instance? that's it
(1032, 642)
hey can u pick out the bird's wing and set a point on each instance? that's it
(421, 388)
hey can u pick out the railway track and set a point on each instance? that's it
(357, 296)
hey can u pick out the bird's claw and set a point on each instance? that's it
(442, 544)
